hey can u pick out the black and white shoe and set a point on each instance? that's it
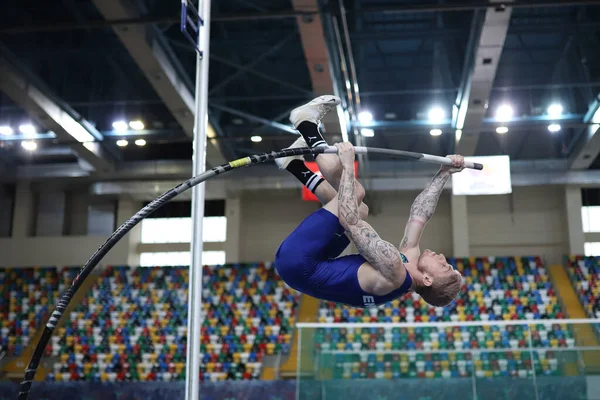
(283, 162)
(314, 110)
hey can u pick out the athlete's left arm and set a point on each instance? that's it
(383, 257)
(425, 204)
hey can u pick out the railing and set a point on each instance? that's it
(548, 360)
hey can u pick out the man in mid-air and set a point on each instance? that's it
(309, 259)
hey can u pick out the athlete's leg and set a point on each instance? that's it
(314, 182)
(306, 120)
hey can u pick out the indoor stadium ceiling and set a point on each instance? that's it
(392, 62)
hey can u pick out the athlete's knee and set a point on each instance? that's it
(359, 191)
(363, 211)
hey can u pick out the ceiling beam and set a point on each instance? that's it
(54, 115)
(390, 9)
(587, 145)
(472, 101)
(152, 56)
(318, 61)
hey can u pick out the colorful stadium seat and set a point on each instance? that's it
(495, 289)
(133, 325)
(27, 297)
(585, 275)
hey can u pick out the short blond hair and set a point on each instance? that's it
(442, 290)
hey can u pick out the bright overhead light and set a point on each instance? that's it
(365, 117)
(136, 125)
(504, 113)
(120, 126)
(29, 145)
(458, 134)
(435, 132)
(27, 129)
(122, 143)
(554, 128)
(436, 115)
(6, 130)
(140, 142)
(501, 130)
(555, 110)
(366, 132)
(256, 139)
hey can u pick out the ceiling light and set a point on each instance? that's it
(27, 129)
(554, 128)
(140, 142)
(29, 145)
(366, 132)
(256, 139)
(365, 117)
(504, 113)
(6, 130)
(436, 115)
(122, 143)
(435, 132)
(120, 126)
(555, 111)
(458, 134)
(136, 125)
(501, 130)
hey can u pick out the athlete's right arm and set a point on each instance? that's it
(387, 270)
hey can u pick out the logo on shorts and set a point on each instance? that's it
(369, 301)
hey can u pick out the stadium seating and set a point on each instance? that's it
(495, 289)
(27, 297)
(585, 275)
(133, 325)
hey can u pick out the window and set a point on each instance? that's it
(180, 258)
(179, 230)
(590, 216)
(592, 249)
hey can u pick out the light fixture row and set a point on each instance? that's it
(123, 126)
(24, 129)
(125, 143)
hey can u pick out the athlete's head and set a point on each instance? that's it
(441, 283)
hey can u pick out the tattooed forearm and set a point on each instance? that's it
(425, 203)
(382, 255)
(347, 204)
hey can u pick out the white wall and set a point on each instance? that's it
(530, 221)
(58, 251)
(269, 216)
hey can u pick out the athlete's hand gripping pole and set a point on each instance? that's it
(408, 155)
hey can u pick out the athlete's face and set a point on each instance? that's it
(435, 265)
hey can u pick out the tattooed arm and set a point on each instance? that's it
(385, 270)
(424, 205)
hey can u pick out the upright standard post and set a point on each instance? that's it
(192, 387)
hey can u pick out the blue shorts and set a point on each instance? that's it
(308, 261)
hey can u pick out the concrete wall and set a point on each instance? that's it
(530, 221)
(269, 216)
